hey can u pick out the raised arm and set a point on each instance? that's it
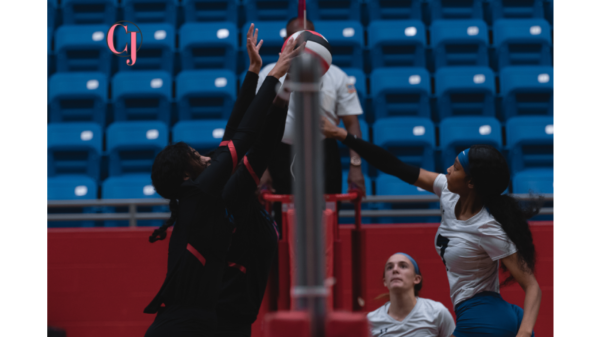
(248, 90)
(227, 157)
(246, 178)
(382, 159)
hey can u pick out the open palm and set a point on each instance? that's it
(253, 48)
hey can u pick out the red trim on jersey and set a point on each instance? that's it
(324, 64)
(238, 266)
(234, 156)
(196, 254)
(224, 143)
(251, 171)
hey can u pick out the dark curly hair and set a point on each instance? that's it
(490, 176)
(168, 170)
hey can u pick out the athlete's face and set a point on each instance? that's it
(400, 274)
(199, 164)
(457, 182)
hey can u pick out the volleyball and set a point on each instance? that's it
(316, 44)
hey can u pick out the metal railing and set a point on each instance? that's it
(133, 215)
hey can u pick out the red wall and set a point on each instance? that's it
(100, 279)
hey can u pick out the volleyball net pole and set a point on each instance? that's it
(309, 291)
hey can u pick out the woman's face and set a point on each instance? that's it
(456, 177)
(199, 164)
(400, 274)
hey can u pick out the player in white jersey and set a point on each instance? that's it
(480, 228)
(406, 314)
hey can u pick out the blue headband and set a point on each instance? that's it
(413, 262)
(463, 158)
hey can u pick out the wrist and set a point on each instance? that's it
(255, 68)
(341, 134)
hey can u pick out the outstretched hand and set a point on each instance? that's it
(285, 58)
(253, 49)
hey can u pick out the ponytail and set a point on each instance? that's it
(490, 176)
(512, 216)
(161, 232)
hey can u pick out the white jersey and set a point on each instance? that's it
(338, 98)
(470, 249)
(427, 319)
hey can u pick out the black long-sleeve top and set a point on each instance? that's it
(254, 244)
(202, 232)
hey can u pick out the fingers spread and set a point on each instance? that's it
(259, 45)
(250, 30)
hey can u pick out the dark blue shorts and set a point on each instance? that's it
(487, 314)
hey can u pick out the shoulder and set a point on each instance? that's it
(433, 306)
(335, 75)
(378, 314)
(490, 227)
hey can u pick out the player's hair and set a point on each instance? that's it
(490, 176)
(417, 287)
(309, 24)
(168, 169)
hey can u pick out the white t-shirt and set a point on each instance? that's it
(338, 98)
(427, 319)
(470, 249)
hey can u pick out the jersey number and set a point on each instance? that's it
(442, 242)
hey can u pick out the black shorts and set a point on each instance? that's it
(182, 321)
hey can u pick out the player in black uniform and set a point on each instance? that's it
(201, 237)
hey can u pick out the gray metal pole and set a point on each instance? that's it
(310, 291)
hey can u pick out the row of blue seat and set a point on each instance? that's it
(206, 94)
(152, 11)
(75, 148)
(390, 44)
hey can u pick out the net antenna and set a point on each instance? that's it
(309, 291)
(302, 12)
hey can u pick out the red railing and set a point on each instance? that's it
(358, 250)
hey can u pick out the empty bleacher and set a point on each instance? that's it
(433, 77)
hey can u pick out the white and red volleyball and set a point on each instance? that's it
(316, 44)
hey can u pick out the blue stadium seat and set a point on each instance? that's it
(460, 133)
(82, 48)
(204, 135)
(517, 9)
(394, 10)
(142, 95)
(527, 91)
(333, 10)
(530, 143)
(273, 35)
(412, 139)
(346, 39)
(51, 11)
(209, 46)
(85, 12)
(400, 92)
(538, 181)
(460, 43)
(397, 43)
(71, 187)
(345, 152)
(205, 94)
(522, 42)
(78, 97)
(465, 91)
(158, 48)
(50, 59)
(132, 146)
(270, 10)
(74, 149)
(358, 78)
(131, 186)
(389, 185)
(453, 9)
(210, 10)
(549, 11)
(150, 11)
